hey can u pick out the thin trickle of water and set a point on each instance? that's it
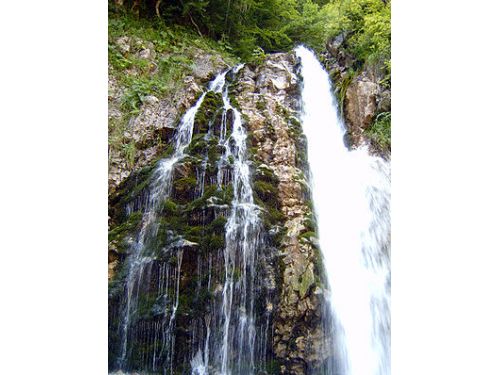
(140, 260)
(351, 194)
(231, 350)
(224, 339)
(242, 240)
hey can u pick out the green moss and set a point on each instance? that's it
(170, 208)
(278, 233)
(198, 144)
(343, 85)
(306, 280)
(237, 274)
(214, 151)
(275, 216)
(185, 184)
(272, 367)
(294, 126)
(192, 300)
(132, 223)
(310, 224)
(194, 233)
(195, 205)
(169, 150)
(210, 190)
(266, 174)
(208, 111)
(216, 242)
(267, 192)
(252, 150)
(261, 104)
(319, 274)
(218, 225)
(233, 101)
(271, 217)
(145, 306)
(116, 285)
(175, 223)
(135, 184)
(225, 195)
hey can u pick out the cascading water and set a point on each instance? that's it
(227, 337)
(242, 239)
(140, 258)
(351, 194)
(235, 327)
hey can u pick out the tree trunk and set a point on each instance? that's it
(157, 8)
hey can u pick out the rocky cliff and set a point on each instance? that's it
(291, 293)
(153, 126)
(187, 258)
(363, 92)
(269, 98)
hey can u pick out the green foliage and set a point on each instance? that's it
(251, 27)
(367, 26)
(310, 25)
(129, 151)
(258, 56)
(380, 131)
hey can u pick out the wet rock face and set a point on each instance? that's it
(186, 255)
(150, 130)
(269, 96)
(153, 127)
(290, 290)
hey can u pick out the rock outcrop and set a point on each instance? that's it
(364, 96)
(290, 291)
(151, 129)
(270, 101)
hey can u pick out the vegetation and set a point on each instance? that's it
(174, 48)
(380, 131)
(250, 27)
(245, 28)
(367, 26)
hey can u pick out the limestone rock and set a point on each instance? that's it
(384, 101)
(365, 96)
(361, 102)
(268, 96)
(123, 44)
(155, 124)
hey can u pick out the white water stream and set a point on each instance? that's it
(351, 194)
(235, 347)
(159, 190)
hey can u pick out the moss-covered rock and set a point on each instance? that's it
(208, 113)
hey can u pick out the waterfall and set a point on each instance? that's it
(235, 337)
(140, 260)
(242, 239)
(222, 335)
(351, 195)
